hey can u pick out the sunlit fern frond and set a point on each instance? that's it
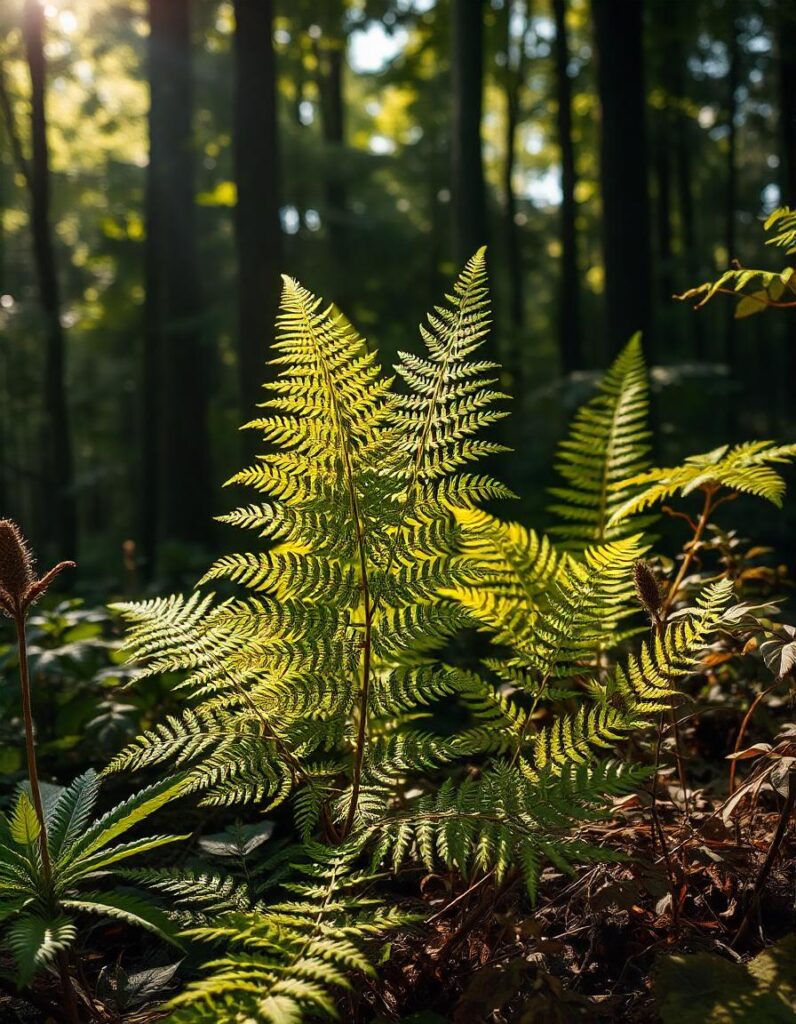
(608, 442)
(636, 691)
(748, 468)
(577, 614)
(513, 570)
(756, 290)
(503, 820)
(286, 964)
(359, 488)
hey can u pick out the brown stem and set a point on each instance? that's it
(776, 842)
(688, 558)
(742, 731)
(67, 989)
(30, 744)
(656, 821)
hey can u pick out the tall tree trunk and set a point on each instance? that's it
(787, 118)
(731, 186)
(58, 500)
(257, 224)
(674, 66)
(569, 303)
(787, 102)
(623, 167)
(514, 76)
(174, 351)
(330, 49)
(469, 195)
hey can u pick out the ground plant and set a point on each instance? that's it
(429, 735)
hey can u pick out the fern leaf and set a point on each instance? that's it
(608, 442)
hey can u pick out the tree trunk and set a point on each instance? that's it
(514, 76)
(787, 99)
(731, 193)
(569, 304)
(330, 50)
(257, 224)
(175, 358)
(623, 167)
(683, 140)
(58, 499)
(787, 118)
(469, 196)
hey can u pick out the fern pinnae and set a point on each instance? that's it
(608, 442)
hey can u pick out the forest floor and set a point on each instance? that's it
(604, 946)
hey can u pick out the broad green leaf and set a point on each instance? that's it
(83, 866)
(127, 907)
(71, 813)
(25, 826)
(35, 942)
(124, 816)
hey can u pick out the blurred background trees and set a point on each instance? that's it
(162, 161)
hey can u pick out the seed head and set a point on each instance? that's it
(19, 586)
(647, 588)
(16, 561)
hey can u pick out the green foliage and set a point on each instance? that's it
(330, 653)
(703, 987)
(757, 290)
(282, 964)
(320, 686)
(745, 468)
(41, 904)
(608, 443)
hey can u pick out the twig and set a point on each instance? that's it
(768, 863)
(742, 731)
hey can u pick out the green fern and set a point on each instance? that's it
(284, 964)
(607, 443)
(361, 484)
(319, 685)
(756, 290)
(745, 468)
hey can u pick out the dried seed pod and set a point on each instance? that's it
(19, 585)
(16, 562)
(647, 589)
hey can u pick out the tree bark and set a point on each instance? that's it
(787, 101)
(176, 446)
(469, 196)
(731, 193)
(58, 501)
(257, 224)
(569, 303)
(330, 50)
(514, 77)
(623, 168)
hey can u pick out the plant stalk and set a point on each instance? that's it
(67, 988)
(30, 744)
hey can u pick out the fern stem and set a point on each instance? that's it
(688, 557)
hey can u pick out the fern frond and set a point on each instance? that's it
(607, 443)
(504, 820)
(284, 963)
(747, 468)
